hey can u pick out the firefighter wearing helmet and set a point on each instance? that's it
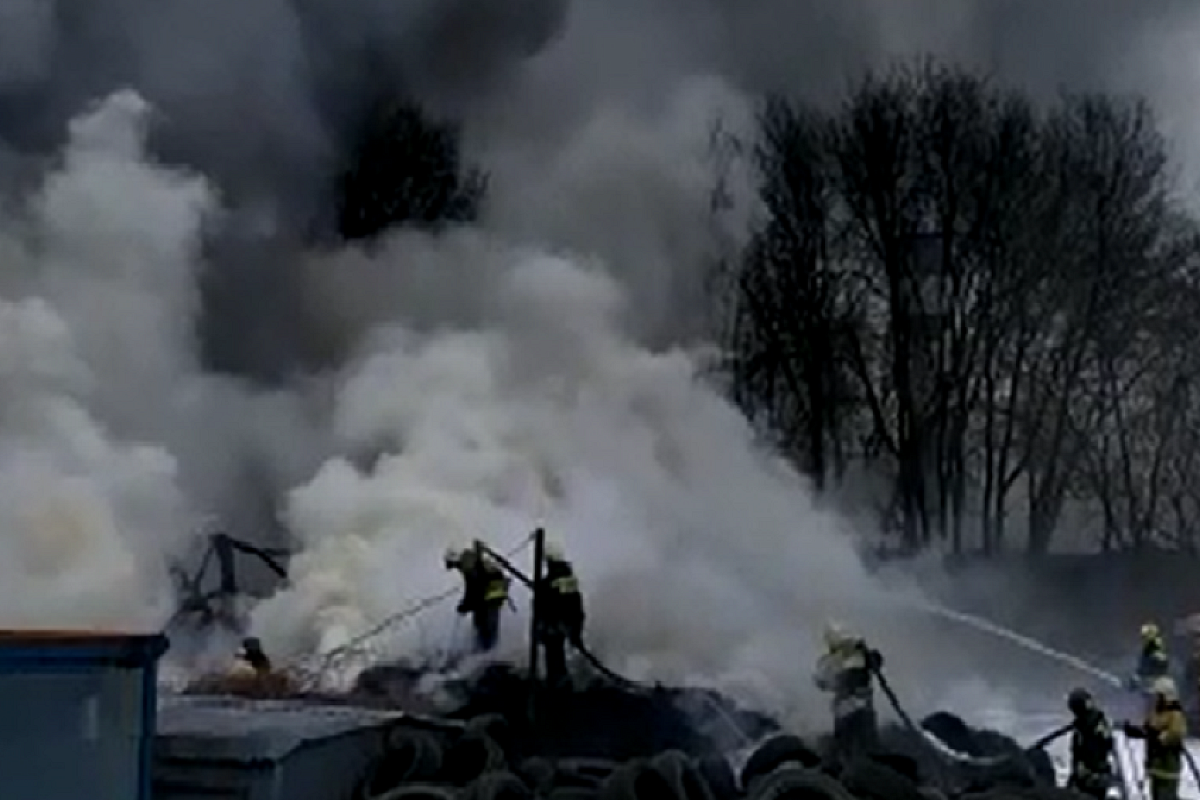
(846, 671)
(1163, 730)
(1153, 661)
(485, 591)
(560, 612)
(1091, 746)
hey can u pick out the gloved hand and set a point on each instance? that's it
(462, 608)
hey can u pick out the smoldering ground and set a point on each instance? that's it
(503, 369)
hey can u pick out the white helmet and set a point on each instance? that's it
(836, 635)
(1165, 688)
(553, 551)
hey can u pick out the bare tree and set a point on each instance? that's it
(791, 304)
(981, 295)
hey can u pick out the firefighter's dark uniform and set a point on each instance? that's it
(1164, 730)
(252, 653)
(485, 591)
(1153, 661)
(560, 616)
(846, 671)
(1091, 747)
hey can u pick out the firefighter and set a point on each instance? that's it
(1091, 746)
(252, 653)
(560, 612)
(846, 671)
(1153, 661)
(485, 591)
(1164, 731)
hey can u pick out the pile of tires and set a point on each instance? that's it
(488, 761)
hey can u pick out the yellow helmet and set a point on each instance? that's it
(836, 636)
(1149, 631)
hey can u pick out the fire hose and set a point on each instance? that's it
(1034, 646)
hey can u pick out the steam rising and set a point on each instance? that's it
(538, 368)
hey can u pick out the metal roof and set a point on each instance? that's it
(244, 731)
(36, 649)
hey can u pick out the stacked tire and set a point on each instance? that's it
(482, 763)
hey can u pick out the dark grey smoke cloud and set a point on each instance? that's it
(259, 92)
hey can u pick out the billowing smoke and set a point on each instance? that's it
(540, 367)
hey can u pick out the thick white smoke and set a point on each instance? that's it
(96, 268)
(505, 386)
(703, 556)
(512, 393)
(113, 445)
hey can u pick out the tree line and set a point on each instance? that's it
(989, 302)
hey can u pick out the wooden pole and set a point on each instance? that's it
(539, 546)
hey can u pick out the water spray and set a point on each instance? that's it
(1041, 648)
(1022, 641)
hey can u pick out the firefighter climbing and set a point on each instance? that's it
(559, 613)
(846, 671)
(1091, 746)
(1164, 731)
(485, 591)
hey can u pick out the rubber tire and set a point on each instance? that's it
(571, 793)
(411, 757)
(952, 731)
(869, 779)
(537, 772)
(469, 757)
(773, 752)
(722, 780)
(494, 726)
(498, 785)
(799, 784)
(420, 791)
(637, 780)
(681, 773)
(582, 773)
(905, 765)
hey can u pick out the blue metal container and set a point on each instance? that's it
(78, 714)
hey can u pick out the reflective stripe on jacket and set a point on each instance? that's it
(846, 674)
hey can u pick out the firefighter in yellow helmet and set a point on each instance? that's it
(1153, 661)
(560, 612)
(847, 671)
(485, 591)
(1164, 731)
